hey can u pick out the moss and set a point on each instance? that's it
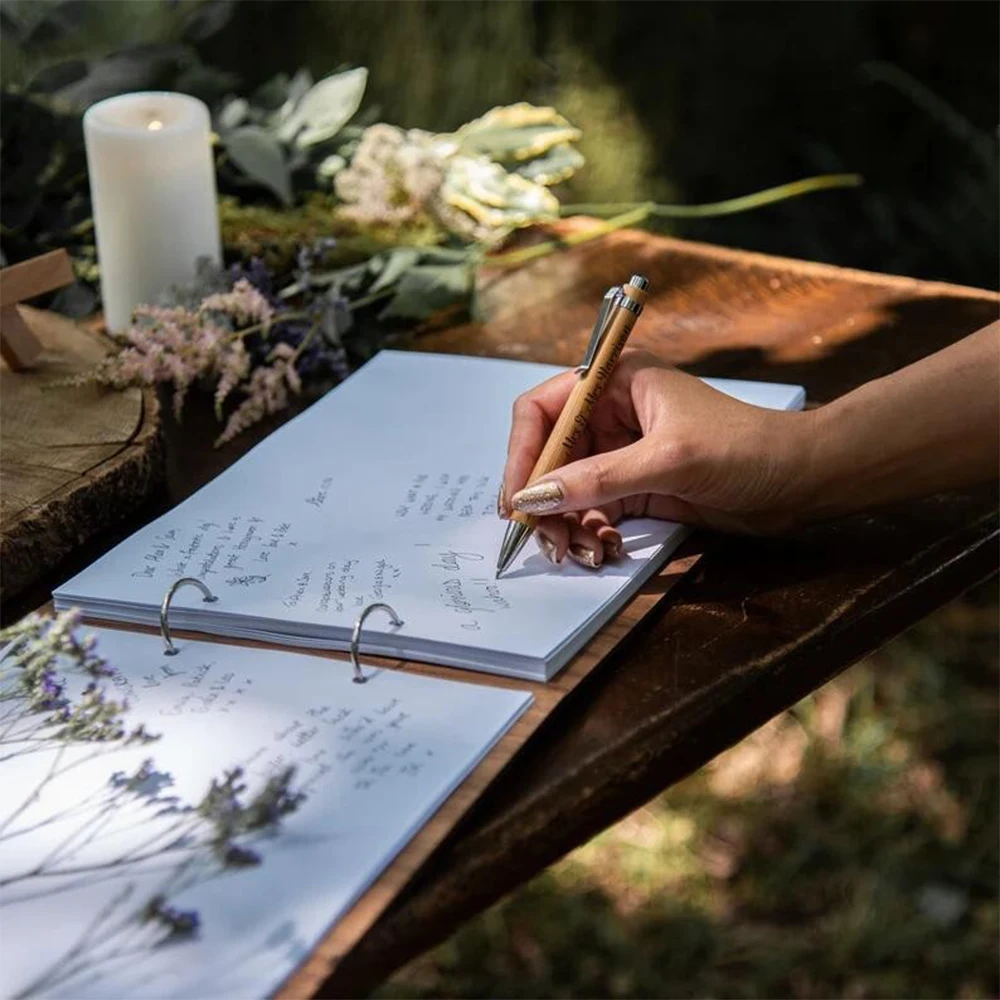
(274, 234)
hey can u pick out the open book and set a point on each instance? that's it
(117, 878)
(385, 490)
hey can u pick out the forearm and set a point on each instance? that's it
(931, 427)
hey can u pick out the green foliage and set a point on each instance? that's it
(425, 289)
(290, 126)
(259, 155)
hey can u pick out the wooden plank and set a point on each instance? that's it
(754, 627)
(19, 347)
(35, 277)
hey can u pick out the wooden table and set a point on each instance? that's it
(757, 626)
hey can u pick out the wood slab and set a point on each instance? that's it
(72, 460)
(757, 625)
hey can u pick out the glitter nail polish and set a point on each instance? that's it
(539, 498)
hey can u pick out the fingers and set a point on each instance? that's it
(590, 541)
(552, 534)
(585, 547)
(535, 413)
(593, 482)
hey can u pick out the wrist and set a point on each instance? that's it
(809, 477)
(821, 485)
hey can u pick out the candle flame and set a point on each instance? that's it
(155, 125)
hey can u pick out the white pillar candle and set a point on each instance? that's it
(152, 186)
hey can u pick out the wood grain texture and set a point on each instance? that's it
(35, 277)
(19, 346)
(74, 460)
(756, 626)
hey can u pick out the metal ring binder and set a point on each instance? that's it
(207, 596)
(359, 677)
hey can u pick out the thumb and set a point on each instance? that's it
(591, 482)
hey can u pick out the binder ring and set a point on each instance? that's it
(206, 595)
(359, 677)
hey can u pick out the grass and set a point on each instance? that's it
(848, 848)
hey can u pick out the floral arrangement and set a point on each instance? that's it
(383, 222)
(232, 334)
(55, 697)
(338, 229)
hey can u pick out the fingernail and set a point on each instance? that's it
(613, 545)
(503, 511)
(548, 548)
(584, 556)
(538, 498)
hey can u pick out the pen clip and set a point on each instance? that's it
(612, 298)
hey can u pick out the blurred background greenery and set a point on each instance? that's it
(850, 847)
(690, 101)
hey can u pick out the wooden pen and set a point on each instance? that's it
(619, 311)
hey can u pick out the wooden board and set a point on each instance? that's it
(72, 460)
(755, 627)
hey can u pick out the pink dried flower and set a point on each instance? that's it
(266, 392)
(245, 304)
(174, 345)
(233, 366)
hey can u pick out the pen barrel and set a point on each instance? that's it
(576, 413)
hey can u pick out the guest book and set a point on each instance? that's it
(103, 883)
(383, 491)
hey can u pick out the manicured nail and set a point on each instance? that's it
(539, 498)
(584, 556)
(613, 545)
(503, 511)
(548, 548)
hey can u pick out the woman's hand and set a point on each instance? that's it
(660, 443)
(663, 444)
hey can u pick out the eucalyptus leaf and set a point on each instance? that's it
(428, 288)
(325, 109)
(396, 263)
(260, 156)
(272, 94)
(444, 255)
(331, 166)
(234, 113)
(298, 87)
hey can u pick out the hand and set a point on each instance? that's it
(659, 443)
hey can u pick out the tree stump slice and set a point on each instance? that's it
(73, 461)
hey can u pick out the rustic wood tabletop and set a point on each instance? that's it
(760, 622)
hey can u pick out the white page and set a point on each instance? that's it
(376, 760)
(385, 490)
